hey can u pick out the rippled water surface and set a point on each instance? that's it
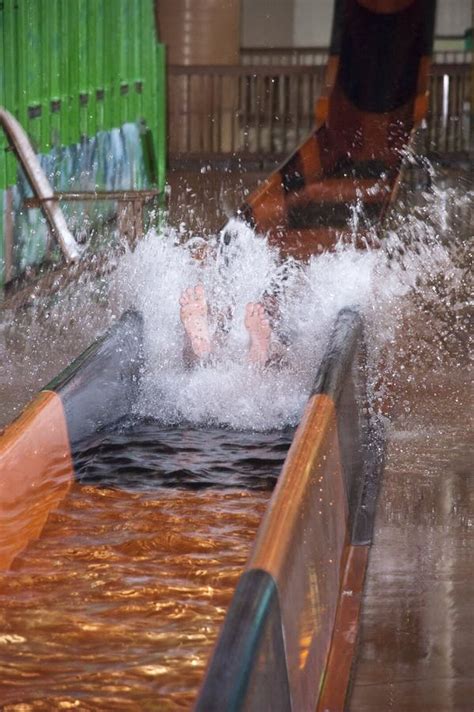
(145, 454)
(119, 602)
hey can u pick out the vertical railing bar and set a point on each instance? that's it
(453, 110)
(241, 110)
(297, 108)
(233, 112)
(202, 108)
(439, 111)
(188, 112)
(459, 115)
(446, 109)
(271, 93)
(245, 89)
(464, 102)
(258, 109)
(211, 89)
(253, 115)
(466, 98)
(449, 122)
(458, 124)
(221, 116)
(434, 117)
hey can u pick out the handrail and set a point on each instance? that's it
(82, 196)
(40, 185)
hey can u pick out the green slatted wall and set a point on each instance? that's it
(71, 68)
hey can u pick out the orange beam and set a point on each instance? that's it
(303, 244)
(343, 644)
(337, 190)
(308, 510)
(36, 473)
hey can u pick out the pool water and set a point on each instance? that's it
(145, 454)
(118, 604)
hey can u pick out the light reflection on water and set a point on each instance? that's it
(118, 603)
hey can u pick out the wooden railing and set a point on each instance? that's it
(261, 112)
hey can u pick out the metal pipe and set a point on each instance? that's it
(40, 185)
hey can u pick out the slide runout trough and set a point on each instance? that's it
(288, 641)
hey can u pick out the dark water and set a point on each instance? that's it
(145, 455)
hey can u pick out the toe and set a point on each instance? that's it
(199, 294)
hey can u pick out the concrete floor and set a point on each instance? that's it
(416, 635)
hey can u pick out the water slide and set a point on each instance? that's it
(289, 636)
(375, 94)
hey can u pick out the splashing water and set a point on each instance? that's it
(383, 284)
(412, 293)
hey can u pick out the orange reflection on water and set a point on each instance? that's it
(119, 602)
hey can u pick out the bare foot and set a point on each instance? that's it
(193, 314)
(260, 331)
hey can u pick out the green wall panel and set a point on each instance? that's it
(77, 73)
(72, 68)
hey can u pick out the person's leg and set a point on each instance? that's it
(193, 314)
(258, 326)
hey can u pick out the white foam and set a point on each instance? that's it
(228, 391)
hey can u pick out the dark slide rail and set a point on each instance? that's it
(38, 450)
(275, 644)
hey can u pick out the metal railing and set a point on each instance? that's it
(282, 56)
(40, 185)
(240, 111)
(450, 112)
(129, 212)
(262, 111)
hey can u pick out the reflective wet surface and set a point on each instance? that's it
(416, 638)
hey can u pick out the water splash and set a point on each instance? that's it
(387, 285)
(413, 294)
